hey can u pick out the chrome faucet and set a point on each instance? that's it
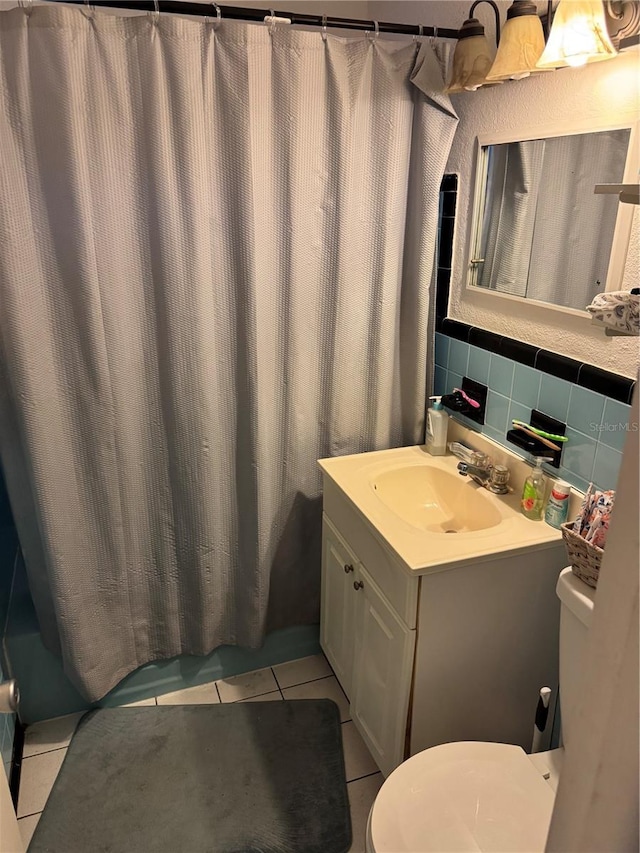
(481, 469)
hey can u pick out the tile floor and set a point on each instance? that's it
(308, 678)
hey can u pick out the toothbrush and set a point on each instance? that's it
(467, 398)
(528, 431)
(540, 432)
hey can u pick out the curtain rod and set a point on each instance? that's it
(240, 13)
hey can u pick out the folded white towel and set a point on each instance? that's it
(618, 310)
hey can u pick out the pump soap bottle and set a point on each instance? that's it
(533, 493)
(437, 426)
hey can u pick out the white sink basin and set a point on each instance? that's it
(413, 501)
(434, 500)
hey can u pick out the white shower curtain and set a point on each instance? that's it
(216, 250)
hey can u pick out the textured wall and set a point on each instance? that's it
(608, 91)
(604, 92)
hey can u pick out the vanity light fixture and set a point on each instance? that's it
(583, 31)
(521, 45)
(473, 56)
(579, 35)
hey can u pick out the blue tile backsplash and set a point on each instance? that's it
(596, 425)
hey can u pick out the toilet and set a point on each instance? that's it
(475, 796)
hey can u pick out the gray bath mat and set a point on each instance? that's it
(252, 777)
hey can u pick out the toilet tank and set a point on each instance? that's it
(576, 611)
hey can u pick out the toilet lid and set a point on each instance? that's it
(459, 797)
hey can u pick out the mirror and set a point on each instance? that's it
(539, 230)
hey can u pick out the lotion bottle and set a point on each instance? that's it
(437, 426)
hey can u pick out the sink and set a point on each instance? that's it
(427, 515)
(435, 500)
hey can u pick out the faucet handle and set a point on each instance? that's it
(499, 480)
(482, 460)
(467, 454)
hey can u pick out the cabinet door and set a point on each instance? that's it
(382, 674)
(339, 602)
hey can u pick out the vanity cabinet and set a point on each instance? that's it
(369, 647)
(383, 659)
(340, 571)
(451, 653)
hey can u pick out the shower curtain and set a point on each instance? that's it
(509, 217)
(217, 244)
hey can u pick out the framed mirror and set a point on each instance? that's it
(539, 232)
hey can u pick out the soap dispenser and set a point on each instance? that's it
(437, 426)
(533, 493)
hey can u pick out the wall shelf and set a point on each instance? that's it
(627, 193)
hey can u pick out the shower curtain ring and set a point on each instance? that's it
(27, 5)
(434, 36)
(419, 34)
(156, 11)
(376, 31)
(91, 9)
(218, 17)
(272, 23)
(324, 28)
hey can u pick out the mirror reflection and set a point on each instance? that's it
(541, 232)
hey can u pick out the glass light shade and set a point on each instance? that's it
(472, 58)
(521, 46)
(578, 35)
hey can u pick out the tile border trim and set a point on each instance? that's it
(588, 376)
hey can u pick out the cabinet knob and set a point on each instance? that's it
(348, 568)
(358, 585)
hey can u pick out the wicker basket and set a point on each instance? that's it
(584, 557)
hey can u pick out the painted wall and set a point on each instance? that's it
(337, 8)
(604, 92)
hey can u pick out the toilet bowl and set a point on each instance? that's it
(474, 796)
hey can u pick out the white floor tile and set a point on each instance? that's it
(247, 685)
(27, 827)
(49, 734)
(324, 688)
(266, 697)
(362, 793)
(202, 694)
(141, 703)
(358, 761)
(302, 670)
(36, 780)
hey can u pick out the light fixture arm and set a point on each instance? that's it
(495, 12)
(547, 19)
(623, 19)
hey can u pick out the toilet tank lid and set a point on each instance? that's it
(576, 595)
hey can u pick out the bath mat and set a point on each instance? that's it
(251, 777)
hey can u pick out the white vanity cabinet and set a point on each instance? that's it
(438, 654)
(383, 660)
(340, 571)
(369, 647)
